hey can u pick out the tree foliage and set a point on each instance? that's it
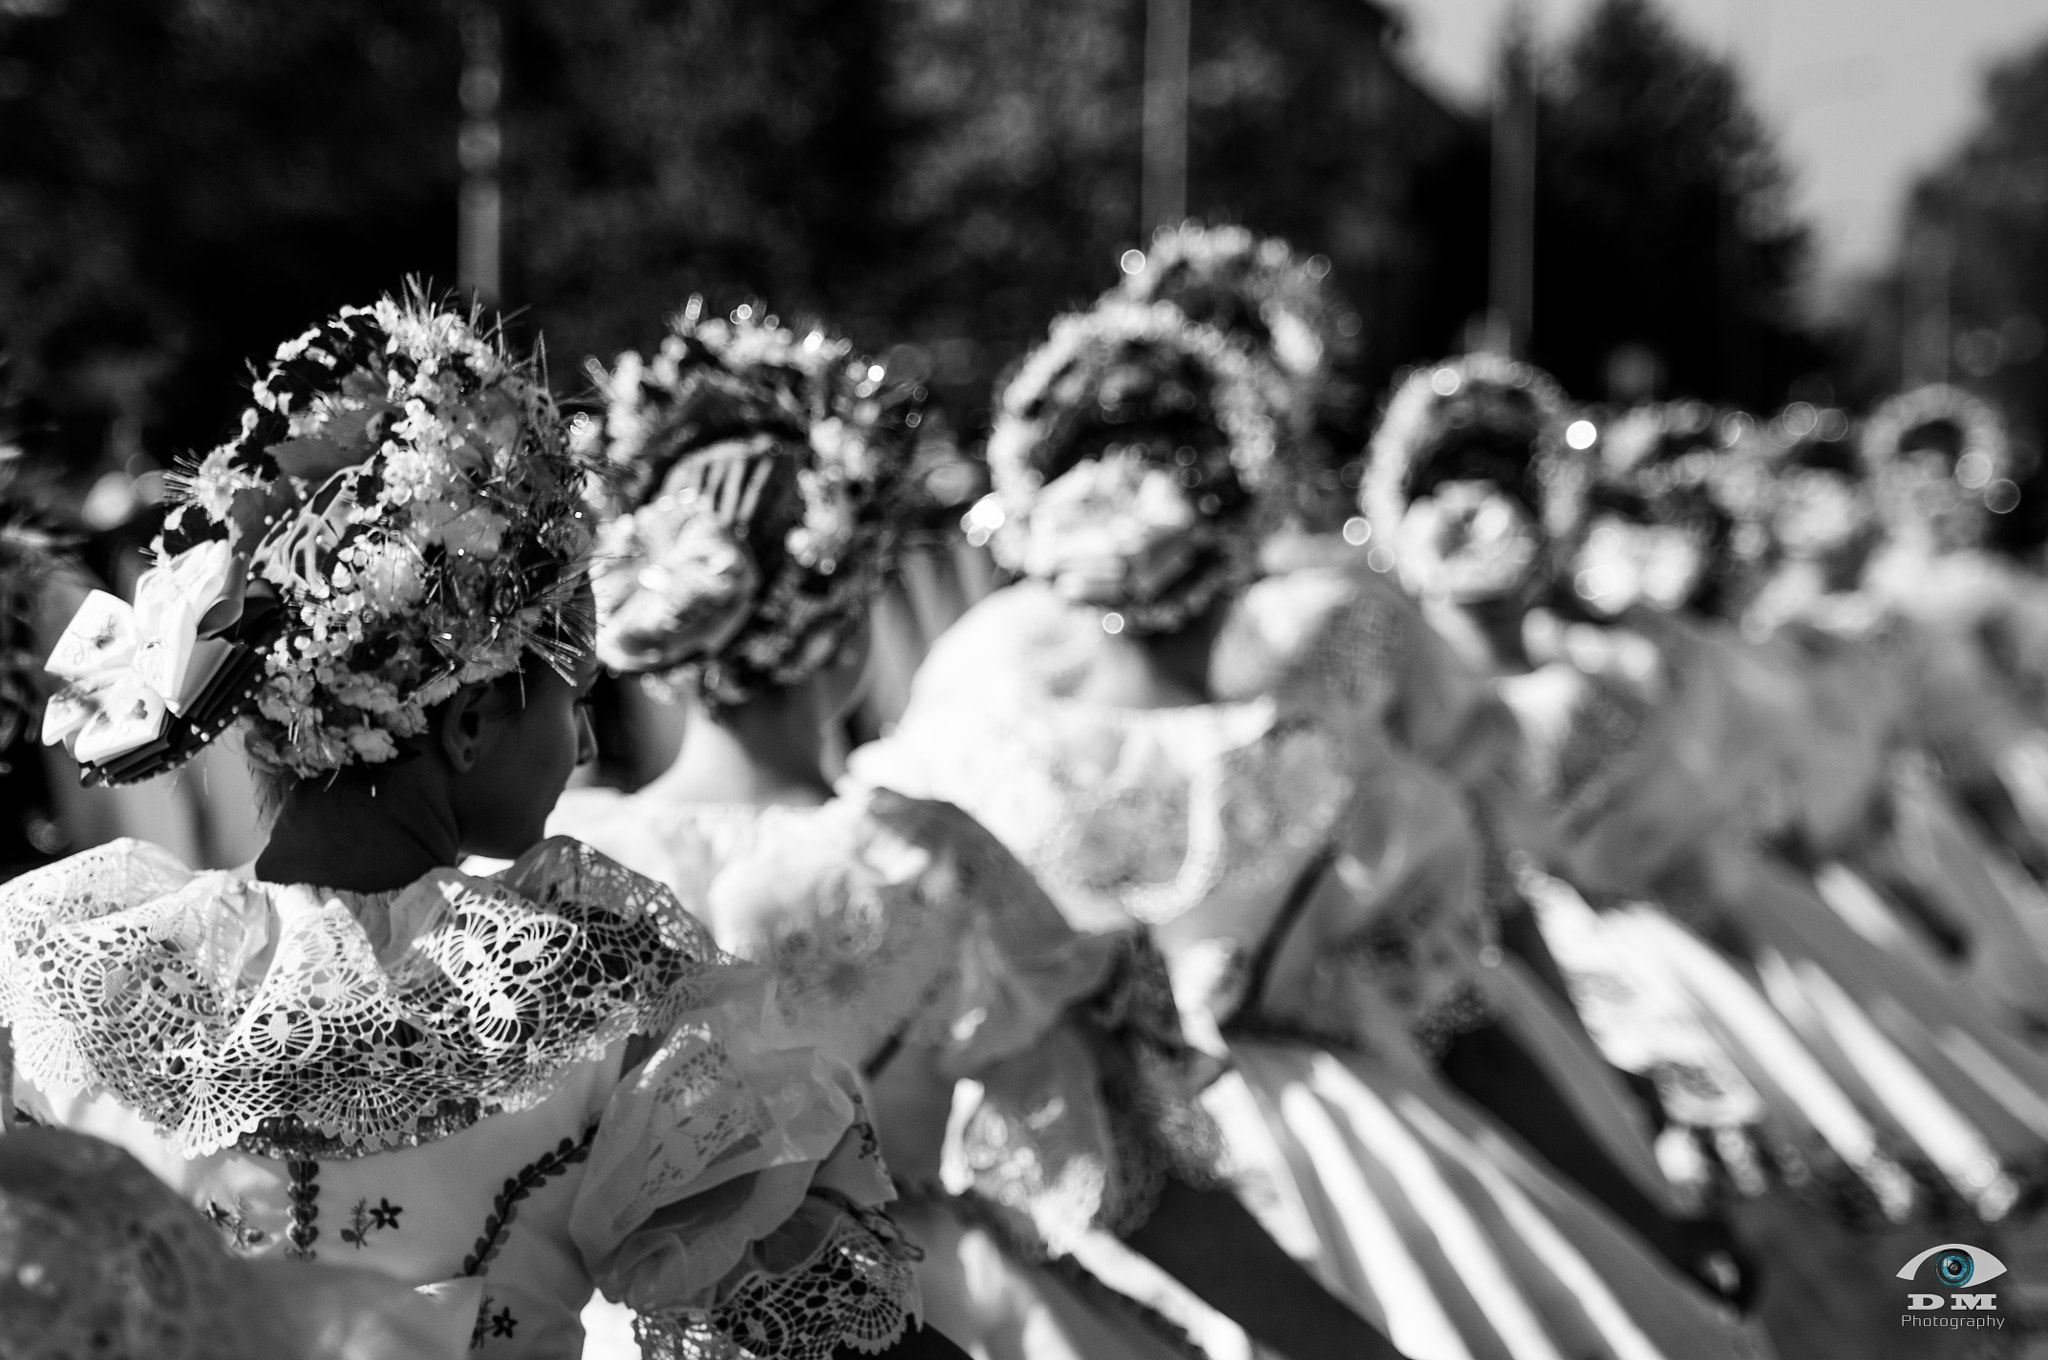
(1986, 207)
(1663, 217)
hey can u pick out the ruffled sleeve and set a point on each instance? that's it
(733, 1193)
(1081, 1131)
(1388, 932)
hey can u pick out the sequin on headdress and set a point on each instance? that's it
(399, 515)
(732, 420)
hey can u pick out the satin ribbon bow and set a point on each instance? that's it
(130, 667)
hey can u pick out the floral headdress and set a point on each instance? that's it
(1483, 417)
(729, 412)
(399, 515)
(1672, 463)
(1130, 455)
(1257, 289)
(1980, 481)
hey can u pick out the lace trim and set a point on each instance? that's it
(122, 970)
(859, 1291)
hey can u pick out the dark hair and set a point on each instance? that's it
(1483, 433)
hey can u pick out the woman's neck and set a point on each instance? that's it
(361, 837)
(1485, 633)
(769, 750)
(1161, 670)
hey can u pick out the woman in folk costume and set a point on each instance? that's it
(1940, 465)
(1284, 310)
(1309, 886)
(1326, 588)
(1905, 782)
(1650, 744)
(504, 1091)
(761, 477)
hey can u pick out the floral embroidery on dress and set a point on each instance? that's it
(492, 1322)
(518, 1187)
(366, 1218)
(233, 1221)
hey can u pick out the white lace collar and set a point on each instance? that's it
(227, 1010)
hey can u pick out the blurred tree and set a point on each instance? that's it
(657, 148)
(184, 183)
(1666, 251)
(1974, 259)
(1020, 175)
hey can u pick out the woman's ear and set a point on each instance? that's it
(460, 728)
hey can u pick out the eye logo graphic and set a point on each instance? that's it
(1958, 1266)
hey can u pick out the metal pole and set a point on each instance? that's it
(480, 145)
(1164, 198)
(1512, 276)
(1930, 256)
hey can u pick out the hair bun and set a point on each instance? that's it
(674, 584)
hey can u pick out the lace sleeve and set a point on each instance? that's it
(733, 1196)
(1080, 1131)
(1015, 965)
(1392, 929)
(835, 1275)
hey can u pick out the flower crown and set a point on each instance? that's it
(686, 595)
(1258, 289)
(1982, 482)
(400, 515)
(1098, 474)
(1439, 410)
(1671, 463)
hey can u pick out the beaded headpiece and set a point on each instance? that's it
(734, 424)
(1130, 455)
(1479, 417)
(1971, 437)
(399, 515)
(1258, 290)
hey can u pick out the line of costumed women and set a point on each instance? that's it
(1030, 1084)
(1255, 825)
(360, 1067)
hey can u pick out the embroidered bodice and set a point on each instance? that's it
(502, 1089)
(1201, 822)
(905, 939)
